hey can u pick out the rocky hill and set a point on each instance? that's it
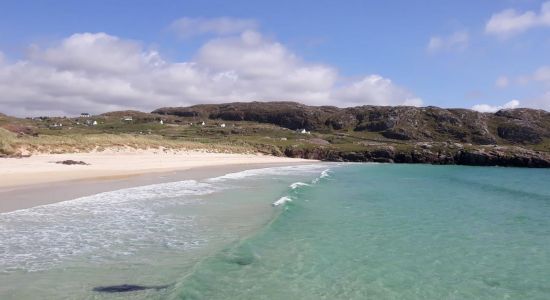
(518, 137)
(402, 123)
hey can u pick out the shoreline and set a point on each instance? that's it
(34, 182)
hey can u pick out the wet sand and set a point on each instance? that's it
(47, 185)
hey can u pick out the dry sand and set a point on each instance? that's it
(38, 180)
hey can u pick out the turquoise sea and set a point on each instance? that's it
(321, 231)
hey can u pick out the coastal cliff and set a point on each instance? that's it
(517, 137)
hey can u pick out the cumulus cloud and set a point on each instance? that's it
(493, 108)
(510, 22)
(189, 27)
(97, 72)
(376, 90)
(95, 53)
(457, 41)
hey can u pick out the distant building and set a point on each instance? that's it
(303, 131)
(223, 125)
(161, 122)
(94, 123)
(202, 124)
(127, 118)
(85, 115)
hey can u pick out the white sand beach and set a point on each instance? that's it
(39, 179)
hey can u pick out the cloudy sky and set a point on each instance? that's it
(65, 57)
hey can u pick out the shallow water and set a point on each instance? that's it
(152, 235)
(395, 232)
(326, 231)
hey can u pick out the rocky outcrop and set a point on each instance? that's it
(483, 156)
(517, 126)
(400, 134)
(523, 126)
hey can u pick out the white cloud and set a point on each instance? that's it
(99, 72)
(376, 90)
(98, 52)
(189, 27)
(457, 41)
(502, 82)
(494, 108)
(510, 22)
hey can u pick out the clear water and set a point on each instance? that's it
(372, 231)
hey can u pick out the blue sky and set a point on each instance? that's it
(445, 53)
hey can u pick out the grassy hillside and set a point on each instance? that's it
(400, 134)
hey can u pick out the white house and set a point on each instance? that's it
(223, 125)
(161, 122)
(85, 115)
(127, 118)
(94, 123)
(202, 124)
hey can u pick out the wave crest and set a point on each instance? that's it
(282, 201)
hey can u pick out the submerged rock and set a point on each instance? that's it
(123, 288)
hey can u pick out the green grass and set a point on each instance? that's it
(177, 133)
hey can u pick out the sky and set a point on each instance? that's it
(66, 57)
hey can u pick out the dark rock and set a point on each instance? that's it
(398, 134)
(519, 134)
(123, 288)
(71, 162)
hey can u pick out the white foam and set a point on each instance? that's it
(324, 174)
(107, 225)
(282, 201)
(114, 224)
(287, 170)
(296, 185)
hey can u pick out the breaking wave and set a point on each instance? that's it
(115, 224)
